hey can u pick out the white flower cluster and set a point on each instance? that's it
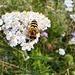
(73, 17)
(16, 32)
(69, 5)
(61, 51)
(72, 41)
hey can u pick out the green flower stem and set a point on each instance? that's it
(25, 53)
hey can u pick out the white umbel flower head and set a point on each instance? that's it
(16, 25)
(61, 51)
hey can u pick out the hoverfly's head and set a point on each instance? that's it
(34, 20)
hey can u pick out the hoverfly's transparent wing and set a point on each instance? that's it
(24, 25)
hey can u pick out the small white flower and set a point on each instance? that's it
(61, 51)
(18, 34)
(22, 40)
(14, 30)
(6, 31)
(21, 27)
(69, 9)
(26, 46)
(7, 19)
(15, 23)
(63, 34)
(1, 5)
(3, 27)
(69, 5)
(13, 36)
(73, 17)
(1, 22)
(13, 42)
(8, 35)
(72, 41)
(7, 25)
(28, 57)
(25, 59)
(68, 2)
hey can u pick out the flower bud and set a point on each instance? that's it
(57, 51)
(6, 58)
(73, 72)
(54, 46)
(45, 34)
(44, 39)
(73, 34)
(68, 57)
(49, 45)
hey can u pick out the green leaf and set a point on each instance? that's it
(41, 58)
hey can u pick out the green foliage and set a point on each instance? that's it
(43, 61)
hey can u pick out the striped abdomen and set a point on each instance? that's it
(34, 24)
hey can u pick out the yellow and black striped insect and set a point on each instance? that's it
(33, 30)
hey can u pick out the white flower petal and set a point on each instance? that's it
(61, 51)
(0, 28)
(1, 21)
(72, 41)
(69, 9)
(73, 16)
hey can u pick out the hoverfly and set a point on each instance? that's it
(33, 30)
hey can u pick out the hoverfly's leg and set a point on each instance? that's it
(28, 25)
(40, 31)
(24, 25)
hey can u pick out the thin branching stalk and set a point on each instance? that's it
(11, 64)
(2, 67)
(66, 69)
(50, 8)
